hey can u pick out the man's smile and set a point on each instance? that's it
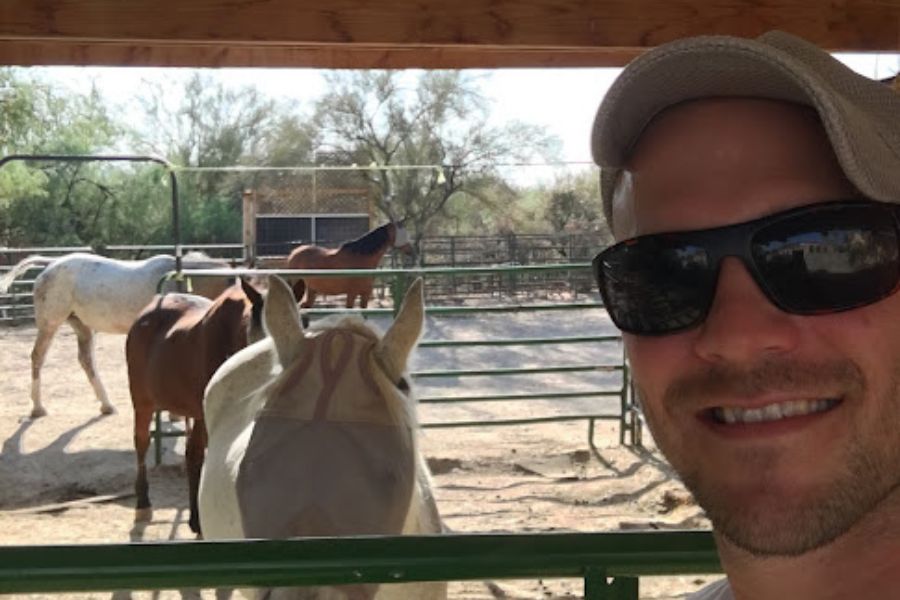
(775, 411)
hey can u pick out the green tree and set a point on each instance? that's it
(437, 120)
(52, 203)
(573, 210)
(209, 127)
(573, 203)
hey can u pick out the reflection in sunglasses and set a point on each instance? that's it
(815, 259)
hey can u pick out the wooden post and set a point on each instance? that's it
(249, 230)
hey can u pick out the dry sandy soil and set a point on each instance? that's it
(67, 478)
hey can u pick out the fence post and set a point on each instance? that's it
(249, 230)
(573, 281)
(513, 250)
(453, 263)
(399, 285)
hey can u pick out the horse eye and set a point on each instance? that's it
(403, 385)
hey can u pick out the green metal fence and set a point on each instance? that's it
(609, 563)
(627, 416)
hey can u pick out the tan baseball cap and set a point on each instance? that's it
(861, 115)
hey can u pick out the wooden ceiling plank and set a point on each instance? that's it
(404, 33)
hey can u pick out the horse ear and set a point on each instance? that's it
(403, 334)
(281, 319)
(251, 292)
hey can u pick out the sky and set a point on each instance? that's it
(563, 100)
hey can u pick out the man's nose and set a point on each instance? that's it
(743, 325)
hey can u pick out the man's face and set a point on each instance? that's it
(771, 484)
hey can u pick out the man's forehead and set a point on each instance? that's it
(719, 148)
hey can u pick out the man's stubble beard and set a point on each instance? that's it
(870, 474)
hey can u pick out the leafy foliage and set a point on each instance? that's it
(209, 128)
(438, 122)
(57, 203)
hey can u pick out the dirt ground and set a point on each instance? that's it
(68, 477)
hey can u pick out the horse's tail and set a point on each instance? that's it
(28, 263)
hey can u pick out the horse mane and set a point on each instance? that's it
(371, 242)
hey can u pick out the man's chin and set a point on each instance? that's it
(771, 524)
(774, 539)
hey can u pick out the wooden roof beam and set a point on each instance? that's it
(406, 34)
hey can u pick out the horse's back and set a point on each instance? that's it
(105, 294)
(315, 257)
(164, 361)
(310, 256)
(179, 341)
(167, 312)
(209, 287)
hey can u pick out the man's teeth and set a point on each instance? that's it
(771, 412)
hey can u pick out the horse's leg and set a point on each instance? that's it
(194, 453)
(299, 289)
(143, 414)
(188, 428)
(86, 358)
(309, 298)
(38, 354)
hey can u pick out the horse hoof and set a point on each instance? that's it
(37, 413)
(143, 515)
(107, 409)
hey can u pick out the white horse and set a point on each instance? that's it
(94, 293)
(313, 433)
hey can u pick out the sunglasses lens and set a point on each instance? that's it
(655, 285)
(829, 260)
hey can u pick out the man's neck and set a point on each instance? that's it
(862, 563)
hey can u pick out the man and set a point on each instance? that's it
(754, 189)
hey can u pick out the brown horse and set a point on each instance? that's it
(172, 351)
(364, 252)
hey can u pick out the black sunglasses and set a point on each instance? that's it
(821, 258)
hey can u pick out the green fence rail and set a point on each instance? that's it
(593, 557)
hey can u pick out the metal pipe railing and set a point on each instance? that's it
(627, 417)
(394, 559)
